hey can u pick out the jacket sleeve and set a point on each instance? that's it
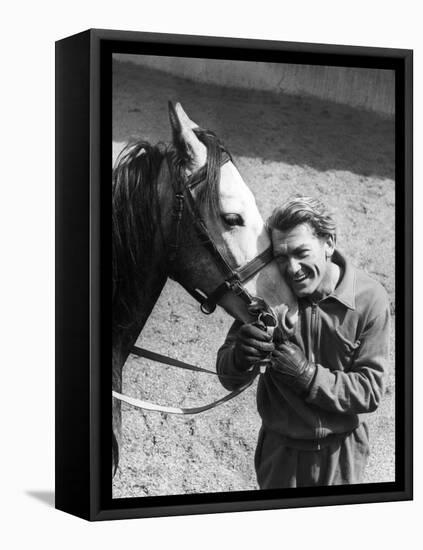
(225, 365)
(361, 388)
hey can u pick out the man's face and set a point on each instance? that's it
(302, 258)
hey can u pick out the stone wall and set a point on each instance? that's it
(372, 89)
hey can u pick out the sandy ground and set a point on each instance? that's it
(282, 145)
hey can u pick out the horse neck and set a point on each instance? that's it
(139, 244)
(126, 330)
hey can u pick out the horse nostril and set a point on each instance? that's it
(291, 319)
(286, 322)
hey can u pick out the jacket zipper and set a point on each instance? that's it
(313, 332)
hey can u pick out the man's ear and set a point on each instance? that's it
(330, 241)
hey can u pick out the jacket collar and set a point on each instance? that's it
(345, 290)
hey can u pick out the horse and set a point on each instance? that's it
(182, 210)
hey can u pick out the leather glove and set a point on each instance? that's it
(291, 363)
(253, 344)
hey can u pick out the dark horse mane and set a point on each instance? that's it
(136, 212)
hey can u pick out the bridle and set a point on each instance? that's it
(233, 281)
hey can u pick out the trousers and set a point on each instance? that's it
(339, 459)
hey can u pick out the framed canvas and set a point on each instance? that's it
(274, 181)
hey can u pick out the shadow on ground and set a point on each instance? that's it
(303, 131)
(46, 497)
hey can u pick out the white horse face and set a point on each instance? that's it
(241, 233)
(238, 231)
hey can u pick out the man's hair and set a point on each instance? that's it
(301, 210)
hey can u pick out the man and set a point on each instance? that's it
(314, 398)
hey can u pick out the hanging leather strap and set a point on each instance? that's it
(159, 358)
(141, 404)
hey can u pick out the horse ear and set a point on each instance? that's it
(190, 148)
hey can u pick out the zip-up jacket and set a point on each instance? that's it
(347, 335)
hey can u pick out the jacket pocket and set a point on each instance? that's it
(347, 349)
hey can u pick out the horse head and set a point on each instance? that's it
(221, 209)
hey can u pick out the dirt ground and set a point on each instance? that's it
(283, 145)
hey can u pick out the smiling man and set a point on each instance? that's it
(329, 375)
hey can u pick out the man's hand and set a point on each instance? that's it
(253, 344)
(297, 371)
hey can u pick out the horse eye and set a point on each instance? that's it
(232, 219)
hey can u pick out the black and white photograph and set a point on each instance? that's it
(210, 231)
(253, 275)
(184, 361)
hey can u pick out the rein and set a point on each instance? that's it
(139, 403)
(265, 320)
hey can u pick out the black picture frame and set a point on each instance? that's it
(83, 152)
